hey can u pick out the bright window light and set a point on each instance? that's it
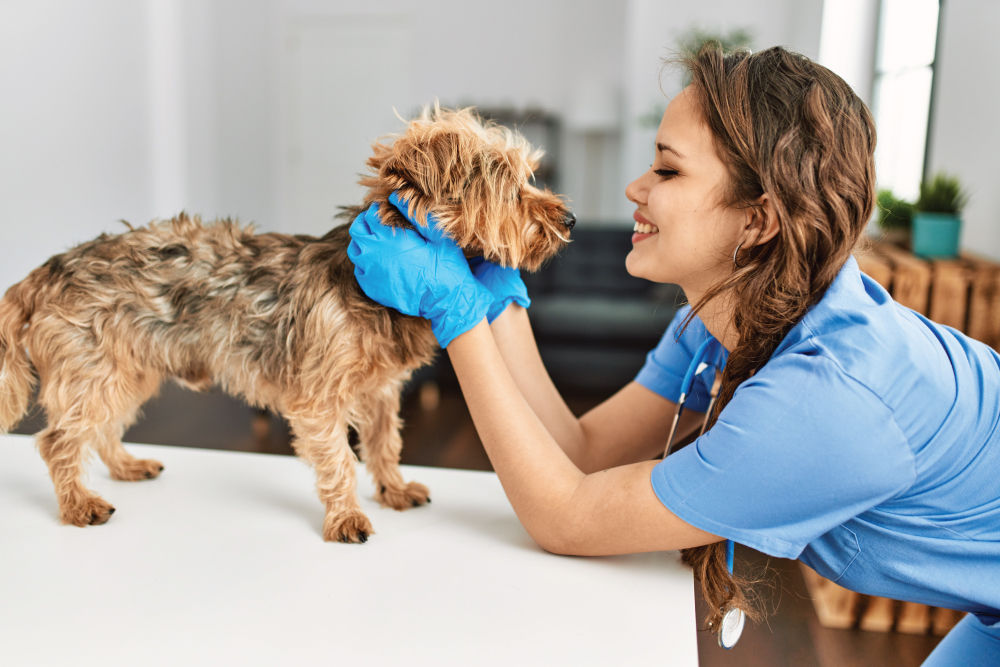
(903, 79)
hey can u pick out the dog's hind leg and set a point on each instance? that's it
(376, 416)
(63, 447)
(122, 465)
(122, 400)
(325, 448)
(94, 415)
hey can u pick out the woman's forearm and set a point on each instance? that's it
(516, 343)
(564, 510)
(629, 426)
(538, 476)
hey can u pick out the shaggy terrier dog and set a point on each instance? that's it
(275, 319)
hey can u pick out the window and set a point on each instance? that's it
(904, 77)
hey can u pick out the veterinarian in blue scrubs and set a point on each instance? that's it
(846, 431)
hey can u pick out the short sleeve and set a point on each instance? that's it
(801, 448)
(666, 364)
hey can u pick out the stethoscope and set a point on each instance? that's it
(733, 619)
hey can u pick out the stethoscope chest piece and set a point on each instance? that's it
(731, 627)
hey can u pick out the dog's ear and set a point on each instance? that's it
(440, 162)
(431, 165)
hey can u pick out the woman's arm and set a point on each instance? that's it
(562, 508)
(422, 273)
(630, 426)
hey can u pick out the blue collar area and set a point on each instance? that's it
(847, 285)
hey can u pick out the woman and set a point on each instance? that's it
(848, 432)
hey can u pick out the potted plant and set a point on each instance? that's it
(895, 218)
(937, 221)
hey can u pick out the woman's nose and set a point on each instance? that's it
(634, 190)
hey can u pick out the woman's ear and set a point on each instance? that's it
(762, 221)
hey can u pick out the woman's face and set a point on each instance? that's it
(684, 234)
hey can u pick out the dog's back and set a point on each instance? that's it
(202, 303)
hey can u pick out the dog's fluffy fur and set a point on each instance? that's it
(278, 320)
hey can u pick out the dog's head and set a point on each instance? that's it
(476, 179)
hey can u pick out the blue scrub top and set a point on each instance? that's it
(868, 447)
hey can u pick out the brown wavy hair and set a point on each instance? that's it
(791, 128)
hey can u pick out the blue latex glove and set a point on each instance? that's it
(424, 277)
(504, 284)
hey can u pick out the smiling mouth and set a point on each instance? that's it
(644, 228)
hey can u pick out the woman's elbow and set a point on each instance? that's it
(562, 539)
(555, 546)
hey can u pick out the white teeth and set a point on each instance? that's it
(643, 228)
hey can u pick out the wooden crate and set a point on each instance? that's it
(983, 320)
(838, 607)
(963, 293)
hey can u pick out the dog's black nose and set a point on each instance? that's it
(569, 220)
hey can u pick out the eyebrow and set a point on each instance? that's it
(663, 147)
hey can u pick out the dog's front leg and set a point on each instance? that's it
(326, 449)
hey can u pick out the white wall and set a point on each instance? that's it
(965, 140)
(75, 149)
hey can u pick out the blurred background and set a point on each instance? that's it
(265, 109)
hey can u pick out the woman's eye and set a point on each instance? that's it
(665, 173)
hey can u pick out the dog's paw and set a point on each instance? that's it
(351, 526)
(137, 469)
(413, 494)
(91, 511)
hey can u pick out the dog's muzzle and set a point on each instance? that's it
(569, 220)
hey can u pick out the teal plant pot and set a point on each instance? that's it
(936, 234)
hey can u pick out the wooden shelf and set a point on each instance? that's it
(963, 293)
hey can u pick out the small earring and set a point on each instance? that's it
(738, 246)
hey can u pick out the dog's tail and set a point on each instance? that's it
(16, 376)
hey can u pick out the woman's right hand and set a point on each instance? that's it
(418, 272)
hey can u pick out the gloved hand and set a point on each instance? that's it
(418, 273)
(504, 284)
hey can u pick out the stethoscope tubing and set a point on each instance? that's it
(695, 368)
